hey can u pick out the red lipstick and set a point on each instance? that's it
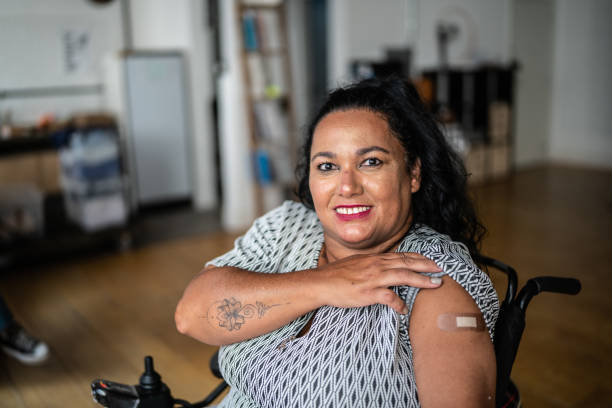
(344, 216)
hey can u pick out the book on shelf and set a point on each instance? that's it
(261, 30)
(264, 172)
(249, 30)
(257, 75)
(269, 32)
(272, 165)
(262, 2)
(270, 121)
(267, 76)
(283, 168)
(276, 84)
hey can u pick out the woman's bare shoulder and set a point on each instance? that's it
(453, 353)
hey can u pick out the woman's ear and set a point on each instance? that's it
(415, 176)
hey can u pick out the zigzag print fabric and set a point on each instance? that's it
(356, 357)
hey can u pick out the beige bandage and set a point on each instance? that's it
(461, 321)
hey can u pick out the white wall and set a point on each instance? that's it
(33, 54)
(364, 29)
(581, 129)
(485, 31)
(534, 45)
(160, 24)
(182, 24)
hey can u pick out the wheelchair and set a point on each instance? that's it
(151, 392)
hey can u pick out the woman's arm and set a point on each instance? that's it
(225, 305)
(454, 367)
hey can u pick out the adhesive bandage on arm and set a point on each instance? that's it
(461, 321)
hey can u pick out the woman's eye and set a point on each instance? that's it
(326, 166)
(371, 162)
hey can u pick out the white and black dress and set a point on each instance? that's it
(356, 357)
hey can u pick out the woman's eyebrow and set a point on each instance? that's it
(360, 152)
(366, 150)
(329, 155)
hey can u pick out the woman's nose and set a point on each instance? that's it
(349, 184)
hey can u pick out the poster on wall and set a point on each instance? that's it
(76, 45)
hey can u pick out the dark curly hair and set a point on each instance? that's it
(442, 202)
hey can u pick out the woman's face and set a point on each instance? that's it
(359, 183)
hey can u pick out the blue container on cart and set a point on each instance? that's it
(91, 178)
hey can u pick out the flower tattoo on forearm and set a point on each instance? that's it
(231, 314)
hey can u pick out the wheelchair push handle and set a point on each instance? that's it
(506, 269)
(569, 286)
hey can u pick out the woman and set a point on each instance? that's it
(365, 293)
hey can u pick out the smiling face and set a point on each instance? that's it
(359, 183)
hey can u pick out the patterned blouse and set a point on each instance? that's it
(355, 357)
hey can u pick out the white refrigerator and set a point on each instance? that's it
(147, 91)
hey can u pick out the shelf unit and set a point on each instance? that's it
(268, 99)
(480, 101)
(60, 236)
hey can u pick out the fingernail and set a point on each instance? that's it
(436, 281)
(405, 310)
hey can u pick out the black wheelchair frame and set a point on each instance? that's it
(151, 392)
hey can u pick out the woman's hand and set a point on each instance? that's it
(363, 280)
(218, 295)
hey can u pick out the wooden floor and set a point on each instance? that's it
(102, 315)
